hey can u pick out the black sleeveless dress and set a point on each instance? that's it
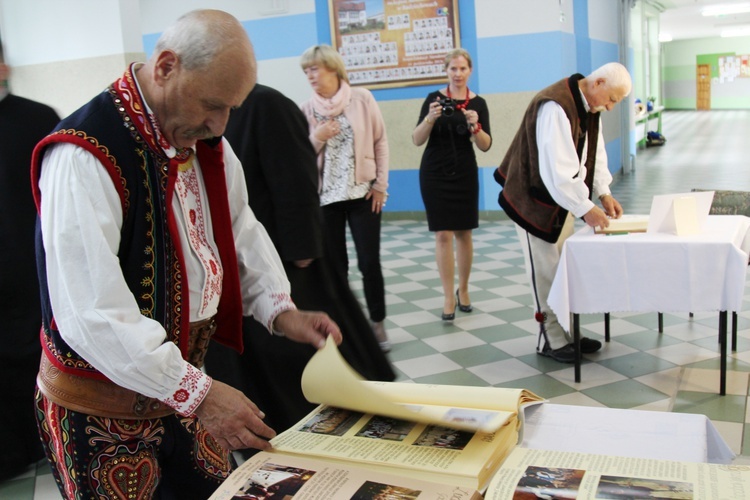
(448, 174)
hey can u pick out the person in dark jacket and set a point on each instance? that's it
(269, 133)
(23, 123)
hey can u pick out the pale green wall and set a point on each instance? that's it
(679, 67)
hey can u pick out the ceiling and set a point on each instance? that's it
(682, 19)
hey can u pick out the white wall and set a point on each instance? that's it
(158, 14)
(283, 74)
(515, 17)
(602, 24)
(63, 52)
(46, 31)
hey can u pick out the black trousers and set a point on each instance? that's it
(21, 445)
(364, 225)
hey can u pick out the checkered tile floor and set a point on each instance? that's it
(495, 344)
(677, 371)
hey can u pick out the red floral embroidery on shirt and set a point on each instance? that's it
(188, 191)
(280, 298)
(192, 390)
(191, 379)
(281, 302)
(181, 396)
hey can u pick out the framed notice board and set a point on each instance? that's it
(394, 43)
(733, 66)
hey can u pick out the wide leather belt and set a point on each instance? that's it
(103, 398)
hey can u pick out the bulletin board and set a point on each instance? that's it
(394, 43)
(733, 66)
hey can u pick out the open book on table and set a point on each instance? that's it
(367, 435)
(528, 473)
(628, 223)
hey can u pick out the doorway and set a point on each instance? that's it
(703, 83)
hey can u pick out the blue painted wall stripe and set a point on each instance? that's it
(583, 42)
(403, 191)
(504, 59)
(602, 53)
(268, 36)
(405, 196)
(323, 21)
(149, 42)
(613, 155)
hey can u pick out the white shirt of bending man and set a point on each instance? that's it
(95, 310)
(562, 172)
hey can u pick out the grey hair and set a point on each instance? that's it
(615, 74)
(197, 38)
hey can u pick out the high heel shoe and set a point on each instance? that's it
(450, 316)
(467, 308)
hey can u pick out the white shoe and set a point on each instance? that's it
(378, 329)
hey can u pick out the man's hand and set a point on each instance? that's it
(233, 420)
(611, 206)
(307, 327)
(596, 217)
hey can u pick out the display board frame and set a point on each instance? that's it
(398, 43)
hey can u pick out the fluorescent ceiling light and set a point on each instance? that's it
(725, 10)
(736, 32)
(663, 37)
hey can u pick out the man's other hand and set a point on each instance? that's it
(233, 420)
(596, 217)
(307, 327)
(611, 206)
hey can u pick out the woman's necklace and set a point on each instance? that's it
(461, 105)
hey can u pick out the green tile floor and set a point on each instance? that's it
(677, 371)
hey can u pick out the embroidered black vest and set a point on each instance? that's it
(149, 253)
(524, 196)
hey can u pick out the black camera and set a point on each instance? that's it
(448, 105)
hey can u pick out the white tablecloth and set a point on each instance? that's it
(645, 272)
(684, 437)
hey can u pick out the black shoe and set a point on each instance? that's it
(450, 316)
(565, 354)
(467, 308)
(589, 345)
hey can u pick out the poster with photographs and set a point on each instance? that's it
(731, 67)
(394, 43)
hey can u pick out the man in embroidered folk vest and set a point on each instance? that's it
(146, 249)
(553, 167)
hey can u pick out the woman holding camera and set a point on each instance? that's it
(451, 121)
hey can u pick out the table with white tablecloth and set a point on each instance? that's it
(682, 437)
(654, 272)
